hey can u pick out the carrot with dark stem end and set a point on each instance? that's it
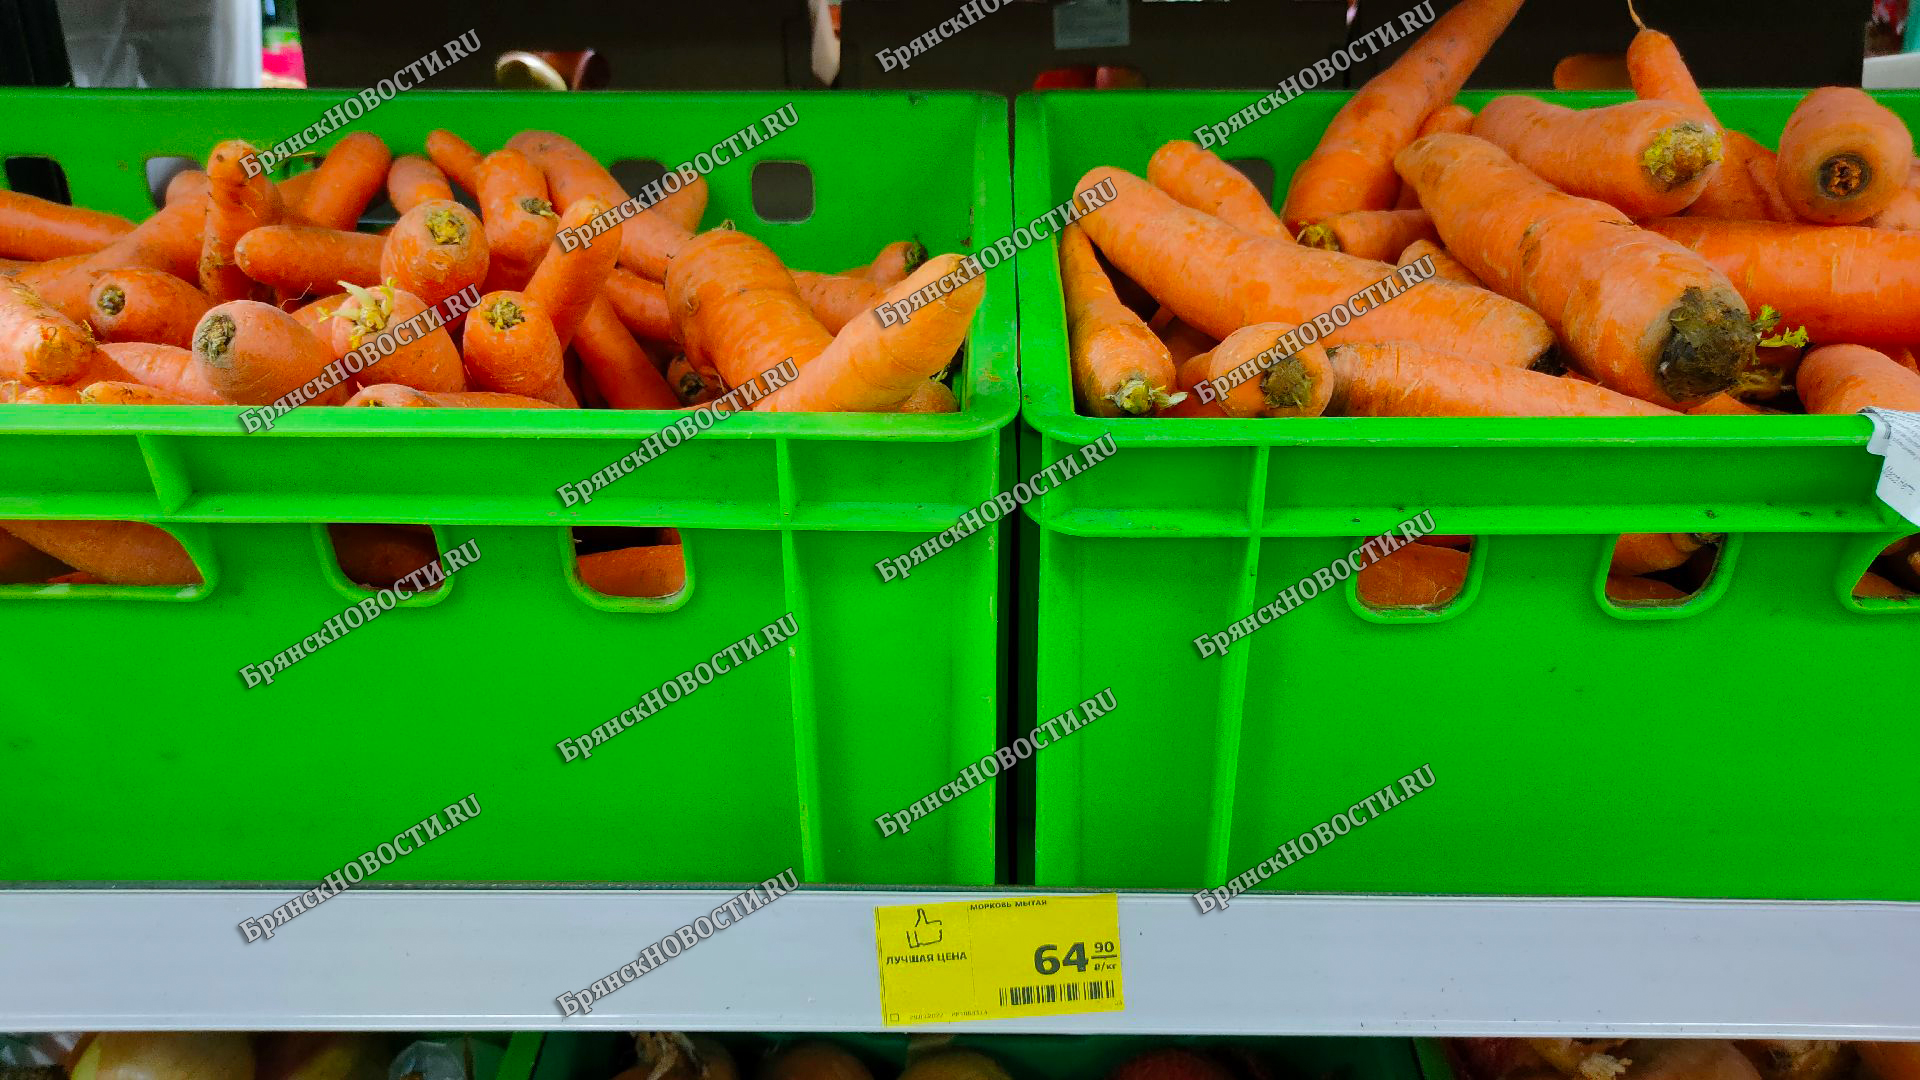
(892, 265)
(1119, 367)
(1638, 312)
(519, 221)
(141, 304)
(1199, 178)
(690, 384)
(412, 180)
(660, 570)
(395, 396)
(303, 258)
(1837, 379)
(1352, 168)
(238, 204)
(346, 181)
(119, 552)
(455, 157)
(641, 304)
(1297, 384)
(1843, 157)
(1635, 554)
(164, 367)
(836, 299)
(435, 250)
(37, 229)
(255, 354)
(1370, 234)
(1403, 380)
(566, 283)
(510, 348)
(737, 307)
(627, 377)
(425, 360)
(1644, 158)
(37, 343)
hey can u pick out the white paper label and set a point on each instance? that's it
(1896, 437)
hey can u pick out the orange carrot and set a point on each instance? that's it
(738, 309)
(1119, 367)
(254, 353)
(566, 282)
(140, 304)
(239, 204)
(1219, 279)
(395, 396)
(1843, 157)
(1658, 73)
(642, 305)
(118, 552)
(660, 570)
(1591, 71)
(626, 376)
(510, 348)
(188, 184)
(1299, 384)
(1644, 158)
(1903, 213)
(1184, 342)
(456, 158)
(1892, 1061)
(1636, 311)
(37, 343)
(346, 181)
(293, 191)
(1417, 575)
(21, 563)
(10, 267)
(163, 367)
(1190, 407)
(876, 368)
(932, 396)
(36, 229)
(424, 361)
(1200, 178)
(15, 392)
(1445, 266)
(1450, 119)
(379, 556)
(1635, 554)
(835, 299)
(690, 384)
(412, 180)
(1725, 404)
(1642, 590)
(435, 250)
(892, 265)
(130, 393)
(1834, 280)
(1406, 380)
(1352, 168)
(1847, 378)
(1370, 234)
(302, 258)
(519, 220)
(649, 238)
(316, 312)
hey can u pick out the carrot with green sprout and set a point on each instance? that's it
(435, 250)
(510, 348)
(425, 360)
(1201, 179)
(1119, 367)
(1644, 158)
(1742, 187)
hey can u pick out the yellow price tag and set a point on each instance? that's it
(999, 958)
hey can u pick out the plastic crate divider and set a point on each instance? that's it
(806, 726)
(171, 487)
(1233, 683)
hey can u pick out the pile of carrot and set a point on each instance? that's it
(243, 289)
(1636, 259)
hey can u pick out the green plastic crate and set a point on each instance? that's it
(1587, 750)
(155, 762)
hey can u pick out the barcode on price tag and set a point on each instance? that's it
(999, 958)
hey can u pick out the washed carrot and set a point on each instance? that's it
(1417, 575)
(1658, 73)
(1649, 553)
(1219, 279)
(15, 392)
(510, 348)
(1352, 167)
(1407, 380)
(435, 250)
(141, 304)
(1199, 178)
(892, 265)
(378, 556)
(255, 354)
(876, 368)
(1119, 367)
(1848, 378)
(395, 396)
(118, 552)
(738, 308)
(641, 304)
(836, 299)
(130, 393)
(1591, 71)
(566, 283)
(239, 204)
(303, 258)
(519, 221)
(932, 396)
(37, 229)
(21, 563)
(1834, 280)
(1644, 158)
(346, 181)
(37, 343)
(1370, 234)
(690, 384)
(163, 367)
(189, 183)
(1642, 590)
(1451, 119)
(1843, 158)
(423, 360)
(1299, 384)
(456, 158)
(620, 367)
(1445, 266)
(1636, 311)
(412, 180)
(660, 570)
